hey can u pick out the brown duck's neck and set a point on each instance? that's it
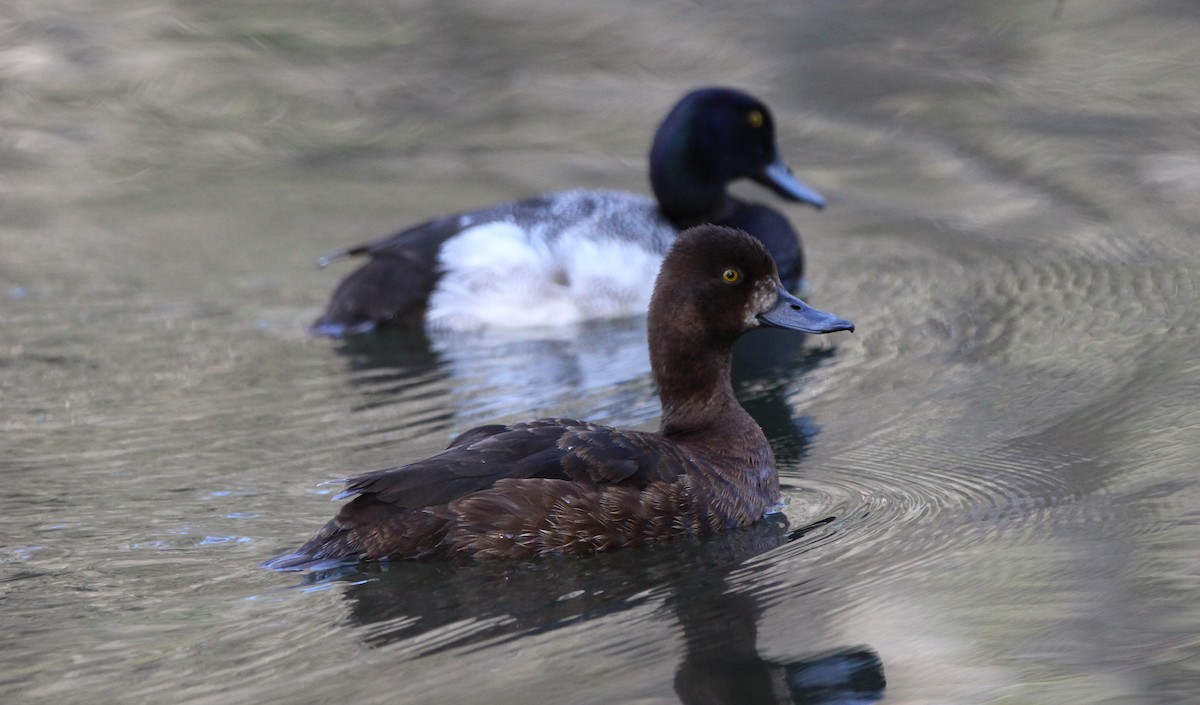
(696, 392)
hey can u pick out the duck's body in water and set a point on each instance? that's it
(567, 486)
(579, 255)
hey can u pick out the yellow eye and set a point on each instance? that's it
(755, 118)
(731, 276)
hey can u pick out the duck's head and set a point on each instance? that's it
(717, 283)
(714, 136)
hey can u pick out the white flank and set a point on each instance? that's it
(500, 275)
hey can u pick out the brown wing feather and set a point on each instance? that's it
(558, 449)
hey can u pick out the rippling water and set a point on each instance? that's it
(992, 485)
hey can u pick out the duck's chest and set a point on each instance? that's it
(741, 488)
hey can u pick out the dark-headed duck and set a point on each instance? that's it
(578, 255)
(565, 486)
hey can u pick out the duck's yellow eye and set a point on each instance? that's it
(731, 276)
(755, 118)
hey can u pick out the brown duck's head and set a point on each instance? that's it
(716, 283)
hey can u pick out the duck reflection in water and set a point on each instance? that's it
(602, 367)
(446, 606)
(721, 663)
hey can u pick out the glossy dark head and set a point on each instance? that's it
(716, 283)
(714, 136)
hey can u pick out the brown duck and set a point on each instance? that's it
(561, 486)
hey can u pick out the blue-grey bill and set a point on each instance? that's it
(790, 312)
(780, 178)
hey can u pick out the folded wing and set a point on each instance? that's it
(559, 449)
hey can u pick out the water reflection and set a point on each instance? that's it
(1009, 443)
(721, 662)
(722, 665)
(437, 607)
(598, 371)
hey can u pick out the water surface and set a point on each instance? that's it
(992, 484)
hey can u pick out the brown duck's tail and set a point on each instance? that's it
(368, 529)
